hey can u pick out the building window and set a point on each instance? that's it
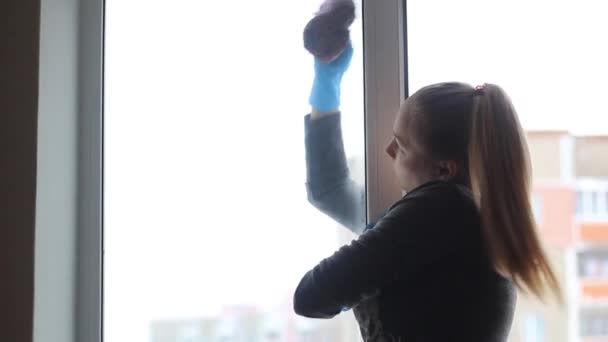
(592, 201)
(593, 264)
(594, 205)
(594, 323)
(579, 202)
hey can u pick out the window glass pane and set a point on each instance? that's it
(207, 227)
(594, 322)
(548, 57)
(605, 209)
(579, 202)
(594, 206)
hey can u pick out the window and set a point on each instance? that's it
(555, 75)
(579, 202)
(593, 264)
(206, 215)
(162, 110)
(592, 200)
(594, 205)
(594, 322)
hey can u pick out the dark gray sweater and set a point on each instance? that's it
(420, 273)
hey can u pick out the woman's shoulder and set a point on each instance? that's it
(438, 193)
(436, 204)
(441, 213)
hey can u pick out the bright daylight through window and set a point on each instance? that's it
(207, 224)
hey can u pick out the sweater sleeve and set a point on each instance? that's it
(328, 184)
(413, 234)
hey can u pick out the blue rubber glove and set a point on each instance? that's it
(325, 93)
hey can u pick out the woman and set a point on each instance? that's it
(444, 262)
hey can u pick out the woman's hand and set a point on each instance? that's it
(325, 93)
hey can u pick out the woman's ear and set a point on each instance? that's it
(448, 169)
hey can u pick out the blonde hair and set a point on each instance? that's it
(480, 130)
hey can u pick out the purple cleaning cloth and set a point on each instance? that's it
(327, 33)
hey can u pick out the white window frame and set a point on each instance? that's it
(67, 296)
(590, 210)
(385, 45)
(89, 267)
(385, 86)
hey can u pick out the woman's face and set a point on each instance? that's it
(411, 167)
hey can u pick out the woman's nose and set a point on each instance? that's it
(390, 148)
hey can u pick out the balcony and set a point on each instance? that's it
(594, 288)
(596, 232)
(592, 210)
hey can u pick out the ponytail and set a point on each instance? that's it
(499, 169)
(478, 128)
